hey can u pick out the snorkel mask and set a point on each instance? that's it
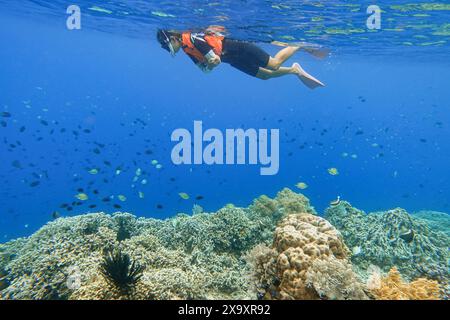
(164, 40)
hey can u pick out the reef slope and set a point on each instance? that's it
(274, 249)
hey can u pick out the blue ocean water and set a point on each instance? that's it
(106, 97)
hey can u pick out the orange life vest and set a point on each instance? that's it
(214, 41)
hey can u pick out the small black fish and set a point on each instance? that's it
(199, 198)
(159, 206)
(6, 114)
(16, 164)
(106, 199)
(69, 208)
(4, 124)
(95, 192)
(34, 184)
(43, 122)
(56, 215)
(22, 129)
(80, 190)
(117, 206)
(92, 206)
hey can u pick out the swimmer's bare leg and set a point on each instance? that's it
(266, 74)
(276, 62)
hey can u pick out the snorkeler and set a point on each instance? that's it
(208, 49)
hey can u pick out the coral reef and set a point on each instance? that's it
(185, 257)
(392, 287)
(437, 221)
(392, 238)
(269, 211)
(274, 249)
(302, 263)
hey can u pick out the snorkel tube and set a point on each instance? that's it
(164, 40)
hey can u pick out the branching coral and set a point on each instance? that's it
(393, 287)
(269, 212)
(334, 279)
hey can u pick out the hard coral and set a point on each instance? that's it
(392, 287)
(392, 238)
(286, 202)
(334, 279)
(300, 242)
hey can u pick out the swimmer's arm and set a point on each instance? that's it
(203, 66)
(207, 51)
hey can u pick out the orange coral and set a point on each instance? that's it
(393, 287)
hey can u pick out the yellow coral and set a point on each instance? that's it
(393, 287)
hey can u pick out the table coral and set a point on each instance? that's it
(393, 287)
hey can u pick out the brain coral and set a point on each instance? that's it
(306, 252)
(393, 238)
(393, 287)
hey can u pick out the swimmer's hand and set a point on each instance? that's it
(204, 67)
(214, 61)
